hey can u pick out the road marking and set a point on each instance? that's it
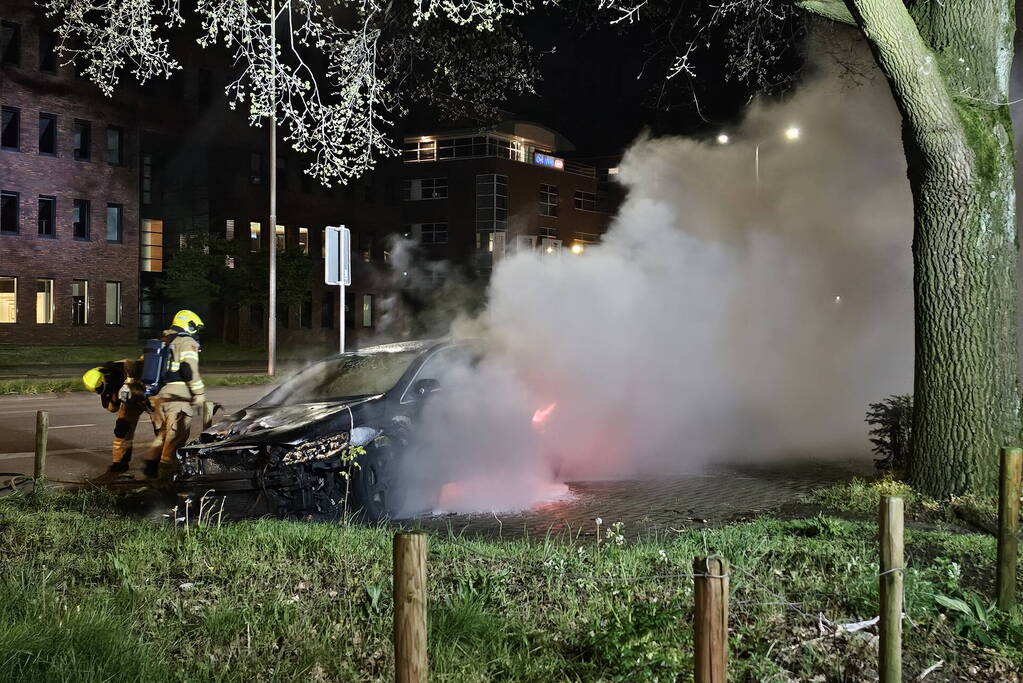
(70, 426)
(63, 451)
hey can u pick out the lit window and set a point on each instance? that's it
(303, 240)
(548, 200)
(9, 213)
(425, 188)
(47, 134)
(115, 145)
(367, 310)
(82, 150)
(44, 302)
(79, 302)
(47, 216)
(8, 300)
(10, 135)
(229, 229)
(113, 303)
(585, 201)
(152, 246)
(255, 236)
(115, 223)
(281, 241)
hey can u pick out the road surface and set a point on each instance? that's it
(81, 431)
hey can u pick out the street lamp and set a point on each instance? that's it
(791, 134)
(578, 248)
(723, 138)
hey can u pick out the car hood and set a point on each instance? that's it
(283, 424)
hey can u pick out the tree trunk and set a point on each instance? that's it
(948, 67)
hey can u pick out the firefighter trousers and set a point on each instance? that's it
(124, 429)
(172, 420)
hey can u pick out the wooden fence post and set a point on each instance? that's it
(891, 582)
(1008, 526)
(710, 628)
(410, 661)
(42, 433)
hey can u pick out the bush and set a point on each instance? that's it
(892, 422)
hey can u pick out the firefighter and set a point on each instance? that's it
(120, 392)
(181, 389)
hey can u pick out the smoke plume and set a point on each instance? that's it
(721, 319)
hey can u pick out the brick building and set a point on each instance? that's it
(69, 238)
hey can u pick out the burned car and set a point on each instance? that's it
(328, 439)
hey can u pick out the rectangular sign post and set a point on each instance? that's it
(337, 266)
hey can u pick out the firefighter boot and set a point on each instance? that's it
(151, 470)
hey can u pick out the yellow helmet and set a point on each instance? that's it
(93, 379)
(187, 321)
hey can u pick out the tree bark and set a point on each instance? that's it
(948, 68)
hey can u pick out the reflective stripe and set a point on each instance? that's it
(196, 386)
(189, 355)
(175, 366)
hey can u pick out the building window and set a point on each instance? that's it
(115, 145)
(47, 216)
(585, 201)
(305, 313)
(465, 147)
(9, 213)
(367, 310)
(8, 300)
(152, 246)
(303, 240)
(491, 202)
(425, 188)
(44, 302)
(47, 134)
(147, 178)
(10, 43)
(113, 303)
(115, 223)
(82, 140)
(79, 302)
(281, 242)
(229, 229)
(80, 219)
(430, 233)
(256, 168)
(548, 232)
(10, 135)
(548, 200)
(255, 236)
(327, 310)
(47, 51)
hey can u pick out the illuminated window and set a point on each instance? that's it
(229, 229)
(549, 200)
(367, 310)
(44, 302)
(8, 300)
(281, 241)
(425, 188)
(303, 240)
(585, 201)
(113, 303)
(152, 246)
(255, 236)
(79, 302)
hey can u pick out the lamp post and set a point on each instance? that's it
(791, 134)
(271, 337)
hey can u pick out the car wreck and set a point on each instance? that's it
(327, 441)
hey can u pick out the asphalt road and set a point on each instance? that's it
(81, 431)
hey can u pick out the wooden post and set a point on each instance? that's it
(410, 663)
(207, 414)
(891, 582)
(1008, 526)
(710, 628)
(42, 432)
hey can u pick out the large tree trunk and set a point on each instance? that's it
(948, 66)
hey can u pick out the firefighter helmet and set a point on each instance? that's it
(93, 379)
(187, 321)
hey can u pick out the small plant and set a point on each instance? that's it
(892, 430)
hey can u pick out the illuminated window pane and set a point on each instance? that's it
(255, 236)
(44, 302)
(152, 246)
(303, 239)
(8, 300)
(113, 303)
(79, 302)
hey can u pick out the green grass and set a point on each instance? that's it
(88, 590)
(12, 387)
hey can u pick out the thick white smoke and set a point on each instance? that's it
(720, 320)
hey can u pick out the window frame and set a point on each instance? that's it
(84, 209)
(81, 140)
(16, 42)
(583, 198)
(119, 288)
(16, 112)
(14, 279)
(51, 313)
(120, 223)
(52, 201)
(550, 199)
(17, 212)
(52, 118)
(47, 38)
(120, 145)
(85, 310)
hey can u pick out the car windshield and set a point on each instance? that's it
(352, 375)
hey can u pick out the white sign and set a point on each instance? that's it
(337, 264)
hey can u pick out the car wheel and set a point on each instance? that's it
(376, 487)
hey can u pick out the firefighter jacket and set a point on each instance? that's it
(117, 373)
(182, 380)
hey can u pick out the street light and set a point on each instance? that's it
(792, 133)
(723, 138)
(578, 248)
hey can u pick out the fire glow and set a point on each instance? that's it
(480, 494)
(541, 415)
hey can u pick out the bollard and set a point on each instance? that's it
(410, 660)
(1008, 526)
(710, 627)
(42, 433)
(891, 580)
(207, 414)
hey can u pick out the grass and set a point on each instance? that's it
(90, 591)
(57, 385)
